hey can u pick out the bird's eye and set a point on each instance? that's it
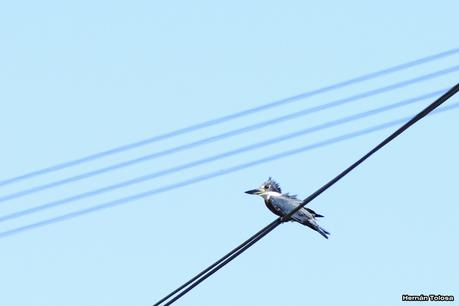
(266, 187)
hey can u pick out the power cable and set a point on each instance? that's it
(229, 117)
(265, 231)
(243, 149)
(208, 176)
(218, 262)
(399, 131)
(231, 133)
(286, 217)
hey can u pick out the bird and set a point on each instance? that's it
(282, 203)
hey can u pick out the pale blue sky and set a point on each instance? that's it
(83, 76)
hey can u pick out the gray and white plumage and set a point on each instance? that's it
(282, 203)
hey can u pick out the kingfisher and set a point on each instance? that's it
(282, 203)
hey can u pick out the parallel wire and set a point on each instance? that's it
(254, 146)
(229, 117)
(242, 248)
(218, 262)
(231, 133)
(286, 217)
(391, 137)
(208, 176)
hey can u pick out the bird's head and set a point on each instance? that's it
(269, 186)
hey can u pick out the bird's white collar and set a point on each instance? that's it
(267, 195)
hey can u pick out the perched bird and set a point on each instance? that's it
(281, 204)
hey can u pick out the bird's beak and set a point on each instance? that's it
(253, 191)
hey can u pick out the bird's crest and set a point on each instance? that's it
(272, 185)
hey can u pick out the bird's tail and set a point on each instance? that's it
(313, 225)
(322, 231)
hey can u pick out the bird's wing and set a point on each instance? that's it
(273, 209)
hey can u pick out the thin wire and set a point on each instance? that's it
(229, 117)
(231, 133)
(286, 217)
(208, 176)
(215, 264)
(254, 146)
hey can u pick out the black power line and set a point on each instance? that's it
(265, 231)
(399, 131)
(227, 118)
(241, 248)
(202, 275)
